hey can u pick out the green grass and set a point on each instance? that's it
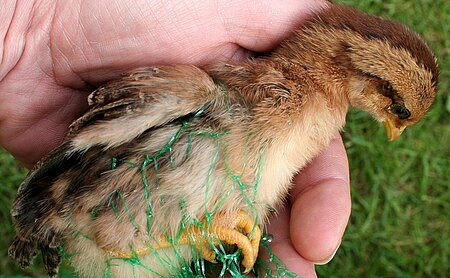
(10, 176)
(400, 190)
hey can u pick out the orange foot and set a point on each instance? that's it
(222, 228)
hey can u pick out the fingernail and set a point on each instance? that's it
(327, 260)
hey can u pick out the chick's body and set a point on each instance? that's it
(167, 147)
(222, 151)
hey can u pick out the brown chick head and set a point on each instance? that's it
(393, 72)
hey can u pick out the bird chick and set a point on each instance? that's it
(172, 161)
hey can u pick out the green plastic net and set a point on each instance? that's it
(172, 259)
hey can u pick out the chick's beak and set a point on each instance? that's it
(393, 132)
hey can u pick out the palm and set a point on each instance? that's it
(68, 53)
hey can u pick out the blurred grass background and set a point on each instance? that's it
(400, 190)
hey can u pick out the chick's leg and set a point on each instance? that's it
(237, 222)
(227, 228)
(221, 228)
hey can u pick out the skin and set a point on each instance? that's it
(55, 52)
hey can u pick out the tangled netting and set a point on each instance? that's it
(228, 258)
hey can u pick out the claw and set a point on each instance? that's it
(223, 228)
(247, 270)
(208, 254)
(249, 226)
(249, 247)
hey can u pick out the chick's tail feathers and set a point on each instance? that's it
(51, 258)
(23, 251)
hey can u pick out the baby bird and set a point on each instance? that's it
(171, 163)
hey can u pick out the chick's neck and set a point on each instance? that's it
(321, 52)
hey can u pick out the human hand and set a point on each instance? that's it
(56, 52)
(310, 227)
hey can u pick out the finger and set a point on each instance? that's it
(282, 247)
(321, 204)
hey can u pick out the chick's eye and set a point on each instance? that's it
(401, 111)
(385, 87)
